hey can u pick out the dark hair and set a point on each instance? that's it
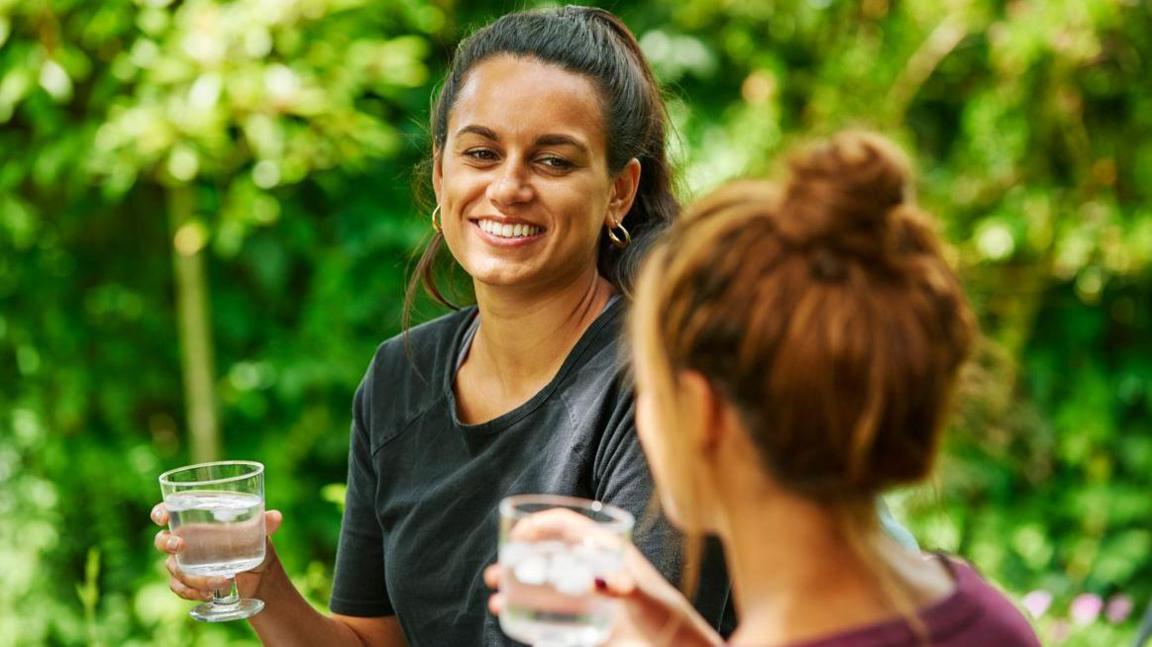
(596, 44)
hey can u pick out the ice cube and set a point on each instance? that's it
(570, 575)
(225, 514)
(512, 552)
(178, 503)
(604, 560)
(531, 569)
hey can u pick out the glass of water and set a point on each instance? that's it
(552, 549)
(218, 510)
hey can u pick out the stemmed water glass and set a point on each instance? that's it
(218, 510)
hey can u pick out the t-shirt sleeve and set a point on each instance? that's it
(623, 478)
(358, 587)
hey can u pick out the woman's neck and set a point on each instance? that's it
(523, 338)
(796, 578)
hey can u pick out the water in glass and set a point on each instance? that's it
(223, 531)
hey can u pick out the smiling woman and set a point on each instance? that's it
(549, 169)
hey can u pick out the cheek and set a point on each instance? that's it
(652, 430)
(587, 202)
(644, 422)
(460, 184)
(459, 190)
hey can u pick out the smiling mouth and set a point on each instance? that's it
(508, 230)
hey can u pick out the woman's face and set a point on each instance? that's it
(523, 182)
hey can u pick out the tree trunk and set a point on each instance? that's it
(196, 346)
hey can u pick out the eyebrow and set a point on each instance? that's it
(486, 133)
(561, 140)
(551, 139)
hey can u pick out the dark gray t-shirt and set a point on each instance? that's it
(421, 522)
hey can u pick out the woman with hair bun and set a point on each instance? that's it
(795, 347)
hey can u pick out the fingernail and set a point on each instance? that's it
(601, 584)
(172, 543)
(156, 512)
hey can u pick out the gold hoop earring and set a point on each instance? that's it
(621, 241)
(435, 224)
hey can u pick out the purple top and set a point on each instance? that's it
(975, 614)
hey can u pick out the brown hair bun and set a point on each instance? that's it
(843, 197)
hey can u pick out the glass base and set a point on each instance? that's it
(210, 612)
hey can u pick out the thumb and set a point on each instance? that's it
(272, 521)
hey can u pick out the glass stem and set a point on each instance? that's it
(226, 595)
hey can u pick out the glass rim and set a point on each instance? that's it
(258, 468)
(618, 518)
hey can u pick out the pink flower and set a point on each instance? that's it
(1059, 631)
(1119, 608)
(1037, 602)
(1085, 608)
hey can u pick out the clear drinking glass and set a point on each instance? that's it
(552, 549)
(218, 510)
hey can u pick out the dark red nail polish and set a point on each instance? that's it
(601, 584)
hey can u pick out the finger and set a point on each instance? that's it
(555, 523)
(272, 521)
(495, 603)
(492, 576)
(159, 514)
(564, 525)
(178, 584)
(188, 593)
(196, 582)
(166, 542)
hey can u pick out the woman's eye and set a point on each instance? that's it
(556, 163)
(481, 154)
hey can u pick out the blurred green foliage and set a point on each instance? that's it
(296, 125)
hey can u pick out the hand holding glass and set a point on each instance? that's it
(218, 510)
(552, 549)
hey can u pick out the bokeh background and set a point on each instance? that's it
(207, 212)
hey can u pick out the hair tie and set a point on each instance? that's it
(828, 266)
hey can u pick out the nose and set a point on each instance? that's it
(509, 187)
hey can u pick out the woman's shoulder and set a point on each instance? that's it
(407, 373)
(599, 349)
(425, 341)
(992, 618)
(418, 356)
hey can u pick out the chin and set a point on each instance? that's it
(499, 275)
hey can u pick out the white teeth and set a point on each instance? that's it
(508, 230)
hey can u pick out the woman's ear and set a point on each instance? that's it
(624, 189)
(704, 411)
